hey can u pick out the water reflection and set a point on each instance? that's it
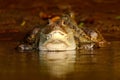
(87, 57)
(61, 64)
(58, 63)
(97, 64)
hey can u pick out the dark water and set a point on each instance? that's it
(98, 64)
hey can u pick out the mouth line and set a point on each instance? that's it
(58, 46)
(57, 41)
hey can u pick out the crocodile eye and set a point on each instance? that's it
(49, 36)
(63, 23)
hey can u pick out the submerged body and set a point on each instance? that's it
(62, 33)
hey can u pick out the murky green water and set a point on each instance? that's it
(98, 64)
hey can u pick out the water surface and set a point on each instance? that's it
(97, 64)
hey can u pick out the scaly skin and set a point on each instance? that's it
(70, 36)
(83, 34)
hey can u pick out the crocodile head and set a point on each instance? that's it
(56, 36)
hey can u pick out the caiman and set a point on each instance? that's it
(62, 33)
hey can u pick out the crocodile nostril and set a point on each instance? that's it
(61, 33)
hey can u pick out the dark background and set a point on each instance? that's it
(19, 16)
